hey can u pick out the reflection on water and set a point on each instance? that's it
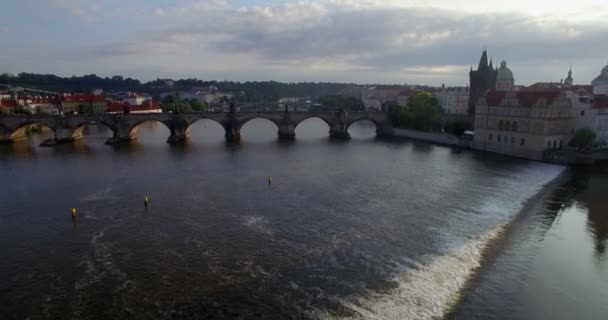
(360, 229)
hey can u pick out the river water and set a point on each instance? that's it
(364, 229)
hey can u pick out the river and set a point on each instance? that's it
(363, 229)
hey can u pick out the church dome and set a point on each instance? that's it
(603, 77)
(504, 73)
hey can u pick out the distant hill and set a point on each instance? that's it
(246, 91)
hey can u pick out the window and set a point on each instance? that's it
(548, 144)
(514, 126)
(490, 137)
(522, 142)
(560, 144)
(498, 138)
(507, 126)
(500, 125)
(555, 144)
(582, 113)
(512, 140)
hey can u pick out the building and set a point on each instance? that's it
(136, 98)
(569, 82)
(87, 103)
(481, 81)
(600, 83)
(372, 104)
(8, 105)
(124, 107)
(453, 100)
(600, 106)
(504, 78)
(403, 98)
(524, 123)
(41, 104)
(583, 112)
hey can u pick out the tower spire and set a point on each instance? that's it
(483, 62)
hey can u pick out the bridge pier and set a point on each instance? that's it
(287, 131)
(233, 134)
(66, 135)
(179, 133)
(339, 134)
(5, 138)
(122, 134)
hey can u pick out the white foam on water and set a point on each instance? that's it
(258, 224)
(424, 292)
(429, 285)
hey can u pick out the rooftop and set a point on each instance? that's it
(527, 99)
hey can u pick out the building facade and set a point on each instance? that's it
(481, 81)
(453, 100)
(523, 124)
(83, 103)
(504, 78)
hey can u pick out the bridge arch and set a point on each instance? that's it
(198, 120)
(360, 119)
(135, 126)
(206, 129)
(327, 121)
(19, 132)
(258, 129)
(78, 131)
(244, 121)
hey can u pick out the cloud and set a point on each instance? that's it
(366, 36)
(341, 40)
(79, 8)
(3, 29)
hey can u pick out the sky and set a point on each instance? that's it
(430, 42)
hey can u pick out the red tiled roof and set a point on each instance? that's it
(600, 101)
(527, 99)
(8, 103)
(82, 98)
(494, 98)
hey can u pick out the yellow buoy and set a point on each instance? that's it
(146, 201)
(269, 180)
(73, 212)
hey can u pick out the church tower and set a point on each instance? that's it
(569, 81)
(504, 78)
(481, 81)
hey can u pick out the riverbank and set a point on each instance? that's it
(432, 137)
(562, 156)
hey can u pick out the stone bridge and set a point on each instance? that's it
(67, 128)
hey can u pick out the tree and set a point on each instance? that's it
(197, 105)
(425, 108)
(583, 139)
(422, 111)
(169, 103)
(19, 109)
(335, 102)
(185, 106)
